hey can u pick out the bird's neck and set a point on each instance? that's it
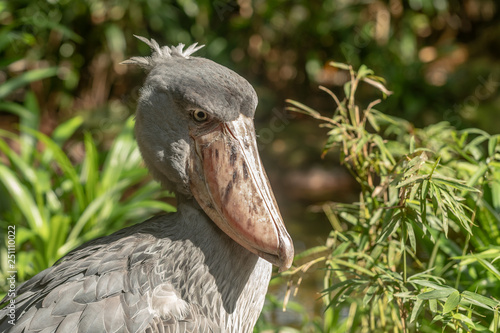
(239, 276)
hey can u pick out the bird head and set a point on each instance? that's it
(194, 127)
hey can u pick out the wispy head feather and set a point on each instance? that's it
(161, 54)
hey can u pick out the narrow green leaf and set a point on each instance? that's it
(347, 89)
(339, 65)
(426, 283)
(27, 77)
(63, 160)
(373, 122)
(451, 302)
(492, 269)
(481, 300)
(90, 168)
(433, 305)
(390, 227)
(23, 200)
(411, 235)
(65, 130)
(316, 250)
(480, 172)
(412, 179)
(455, 183)
(369, 294)
(492, 145)
(436, 294)
(417, 307)
(465, 319)
(304, 108)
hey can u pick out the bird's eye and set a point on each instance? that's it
(200, 116)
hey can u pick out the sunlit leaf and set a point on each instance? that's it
(451, 302)
(436, 294)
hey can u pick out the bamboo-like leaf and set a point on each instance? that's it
(383, 149)
(369, 294)
(465, 319)
(455, 183)
(304, 108)
(492, 269)
(451, 302)
(390, 227)
(417, 308)
(492, 145)
(481, 300)
(314, 251)
(427, 283)
(433, 305)
(480, 172)
(411, 235)
(436, 294)
(412, 179)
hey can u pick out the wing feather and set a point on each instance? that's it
(116, 284)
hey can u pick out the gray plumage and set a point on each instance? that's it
(200, 269)
(117, 283)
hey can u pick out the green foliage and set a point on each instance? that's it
(57, 203)
(420, 249)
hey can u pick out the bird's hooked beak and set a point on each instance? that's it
(230, 184)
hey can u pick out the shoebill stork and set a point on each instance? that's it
(204, 268)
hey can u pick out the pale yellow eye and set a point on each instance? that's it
(200, 115)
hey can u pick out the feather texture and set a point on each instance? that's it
(147, 278)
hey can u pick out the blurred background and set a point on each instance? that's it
(441, 58)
